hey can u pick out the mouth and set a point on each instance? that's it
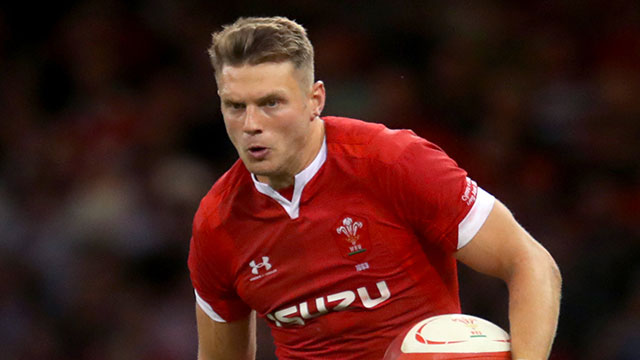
(258, 152)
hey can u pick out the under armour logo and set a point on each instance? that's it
(264, 263)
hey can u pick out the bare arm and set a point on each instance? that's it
(226, 341)
(502, 248)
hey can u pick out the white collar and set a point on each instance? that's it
(301, 179)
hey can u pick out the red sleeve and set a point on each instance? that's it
(429, 190)
(211, 273)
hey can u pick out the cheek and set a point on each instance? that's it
(233, 130)
(293, 126)
(296, 137)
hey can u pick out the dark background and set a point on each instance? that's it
(111, 133)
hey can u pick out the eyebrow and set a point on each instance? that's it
(269, 97)
(277, 94)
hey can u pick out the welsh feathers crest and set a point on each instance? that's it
(351, 234)
(350, 229)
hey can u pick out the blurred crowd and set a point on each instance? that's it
(111, 133)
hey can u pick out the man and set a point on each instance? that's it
(340, 232)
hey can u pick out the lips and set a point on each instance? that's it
(258, 152)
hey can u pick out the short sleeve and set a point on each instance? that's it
(434, 195)
(210, 271)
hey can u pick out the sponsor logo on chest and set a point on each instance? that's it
(297, 314)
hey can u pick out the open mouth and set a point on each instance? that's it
(258, 152)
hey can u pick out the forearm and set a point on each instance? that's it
(534, 302)
(502, 248)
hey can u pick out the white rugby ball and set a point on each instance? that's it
(451, 336)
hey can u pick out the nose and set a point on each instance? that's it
(252, 124)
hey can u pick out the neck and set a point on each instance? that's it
(278, 183)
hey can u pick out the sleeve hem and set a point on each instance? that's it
(471, 224)
(208, 309)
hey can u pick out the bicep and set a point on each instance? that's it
(501, 245)
(225, 340)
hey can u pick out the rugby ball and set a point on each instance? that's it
(451, 336)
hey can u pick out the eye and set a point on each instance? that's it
(272, 103)
(234, 105)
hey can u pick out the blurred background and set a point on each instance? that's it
(110, 133)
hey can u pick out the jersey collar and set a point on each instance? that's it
(301, 179)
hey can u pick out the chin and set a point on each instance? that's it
(258, 169)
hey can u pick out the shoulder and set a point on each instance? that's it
(209, 238)
(215, 205)
(360, 139)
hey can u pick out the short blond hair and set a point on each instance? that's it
(257, 40)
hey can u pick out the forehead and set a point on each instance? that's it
(249, 81)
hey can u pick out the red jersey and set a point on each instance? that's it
(363, 249)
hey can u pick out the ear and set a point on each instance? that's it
(317, 98)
